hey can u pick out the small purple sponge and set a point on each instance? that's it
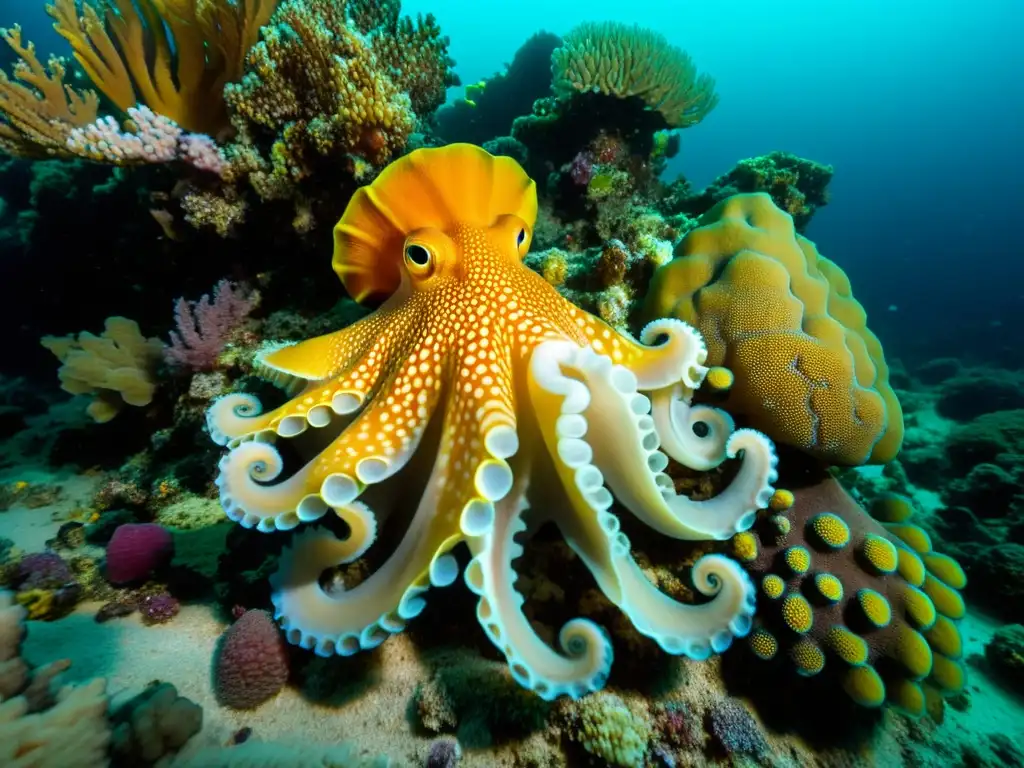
(136, 550)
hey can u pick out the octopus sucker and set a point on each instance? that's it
(474, 405)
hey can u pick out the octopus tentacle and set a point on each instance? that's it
(669, 351)
(620, 439)
(378, 443)
(238, 416)
(587, 652)
(676, 422)
(468, 476)
(338, 373)
(348, 621)
(593, 532)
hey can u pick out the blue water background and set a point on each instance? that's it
(919, 105)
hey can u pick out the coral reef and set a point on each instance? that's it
(174, 57)
(329, 86)
(155, 723)
(782, 318)
(38, 111)
(204, 327)
(796, 185)
(605, 727)
(1005, 652)
(632, 62)
(492, 105)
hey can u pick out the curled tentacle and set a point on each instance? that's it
(348, 621)
(469, 475)
(593, 531)
(328, 376)
(612, 431)
(250, 497)
(374, 447)
(677, 422)
(234, 417)
(586, 655)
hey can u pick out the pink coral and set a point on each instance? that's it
(251, 664)
(156, 139)
(204, 326)
(136, 550)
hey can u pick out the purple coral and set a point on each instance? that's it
(43, 570)
(159, 608)
(444, 753)
(203, 327)
(582, 169)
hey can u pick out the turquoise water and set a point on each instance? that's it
(220, 587)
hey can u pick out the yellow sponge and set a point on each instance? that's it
(783, 319)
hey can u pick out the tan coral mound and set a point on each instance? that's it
(117, 366)
(782, 317)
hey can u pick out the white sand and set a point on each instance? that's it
(130, 655)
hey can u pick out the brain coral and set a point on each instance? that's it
(783, 319)
(865, 597)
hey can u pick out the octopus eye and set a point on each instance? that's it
(417, 255)
(521, 237)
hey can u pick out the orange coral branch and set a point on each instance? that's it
(175, 56)
(38, 112)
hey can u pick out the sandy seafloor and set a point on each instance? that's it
(130, 655)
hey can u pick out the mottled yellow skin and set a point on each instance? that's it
(517, 398)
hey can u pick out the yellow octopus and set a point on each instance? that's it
(474, 405)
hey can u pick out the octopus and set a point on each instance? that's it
(474, 405)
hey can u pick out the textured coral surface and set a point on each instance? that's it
(808, 370)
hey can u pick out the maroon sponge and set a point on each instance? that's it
(136, 550)
(251, 664)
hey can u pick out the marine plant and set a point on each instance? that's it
(473, 405)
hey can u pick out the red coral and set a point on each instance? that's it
(251, 664)
(203, 327)
(136, 550)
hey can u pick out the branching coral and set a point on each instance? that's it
(38, 111)
(414, 55)
(204, 326)
(627, 61)
(174, 56)
(315, 82)
(869, 595)
(116, 367)
(808, 370)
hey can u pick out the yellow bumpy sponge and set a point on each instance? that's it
(847, 610)
(782, 318)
